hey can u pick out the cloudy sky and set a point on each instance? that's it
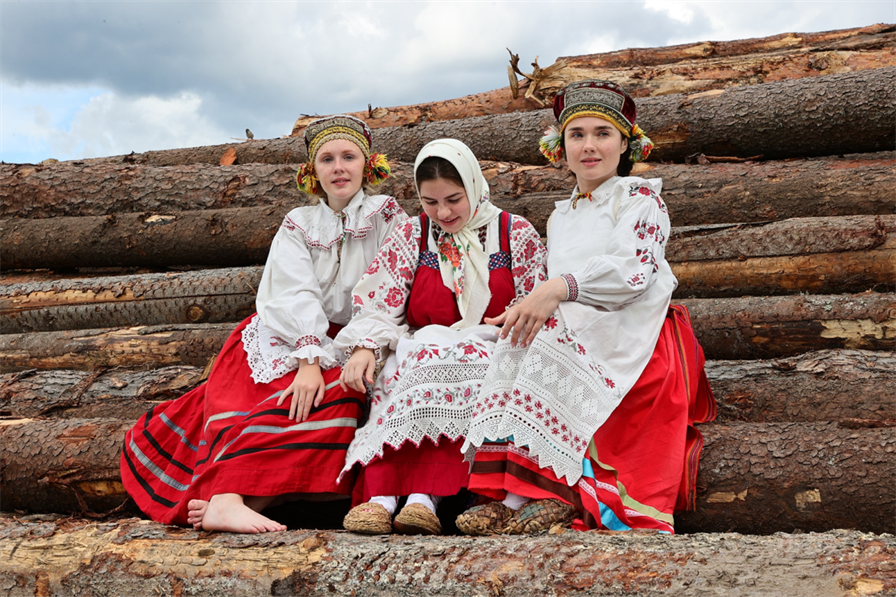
(86, 79)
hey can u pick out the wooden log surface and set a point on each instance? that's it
(852, 387)
(207, 296)
(695, 194)
(784, 119)
(730, 328)
(773, 327)
(644, 72)
(101, 393)
(155, 346)
(53, 556)
(754, 477)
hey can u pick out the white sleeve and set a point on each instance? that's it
(379, 300)
(289, 299)
(629, 268)
(528, 257)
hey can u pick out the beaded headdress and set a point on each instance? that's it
(601, 99)
(376, 169)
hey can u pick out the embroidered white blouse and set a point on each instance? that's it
(316, 258)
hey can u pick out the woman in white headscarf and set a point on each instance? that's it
(424, 299)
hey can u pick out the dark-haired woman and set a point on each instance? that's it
(438, 275)
(272, 421)
(586, 414)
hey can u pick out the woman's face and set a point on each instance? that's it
(445, 203)
(593, 149)
(339, 165)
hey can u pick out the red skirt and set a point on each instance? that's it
(229, 436)
(641, 464)
(434, 469)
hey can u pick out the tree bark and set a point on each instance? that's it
(67, 465)
(210, 296)
(155, 346)
(773, 327)
(852, 387)
(102, 393)
(135, 557)
(691, 68)
(785, 119)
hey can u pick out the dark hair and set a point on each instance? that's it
(624, 168)
(434, 168)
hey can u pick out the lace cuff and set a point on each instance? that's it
(313, 350)
(365, 343)
(572, 287)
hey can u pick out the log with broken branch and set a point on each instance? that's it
(695, 194)
(852, 387)
(644, 72)
(754, 477)
(54, 556)
(728, 328)
(785, 119)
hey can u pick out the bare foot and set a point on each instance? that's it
(195, 512)
(228, 512)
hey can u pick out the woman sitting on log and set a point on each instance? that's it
(222, 453)
(439, 274)
(586, 413)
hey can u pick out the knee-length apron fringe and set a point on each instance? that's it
(641, 465)
(229, 436)
(431, 468)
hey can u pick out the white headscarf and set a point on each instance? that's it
(469, 281)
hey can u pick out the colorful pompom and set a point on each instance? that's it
(641, 145)
(377, 169)
(306, 180)
(550, 146)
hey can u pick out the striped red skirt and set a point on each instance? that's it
(641, 464)
(229, 436)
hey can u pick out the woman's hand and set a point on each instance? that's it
(307, 390)
(526, 318)
(358, 369)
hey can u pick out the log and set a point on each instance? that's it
(814, 476)
(647, 72)
(780, 120)
(156, 346)
(779, 476)
(852, 387)
(730, 328)
(102, 393)
(696, 194)
(841, 255)
(773, 327)
(210, 296)
(52, 556)
(218, 237)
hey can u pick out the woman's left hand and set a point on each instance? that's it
(526, 318)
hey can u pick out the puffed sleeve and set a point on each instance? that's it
(628, 269)
(529, 257)
(289, 300)
(379, 300)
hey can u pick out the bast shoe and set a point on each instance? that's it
(417, 519)
(487, 519)
(368, 519)
(540, 515)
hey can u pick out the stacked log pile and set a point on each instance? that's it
(131, 271)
